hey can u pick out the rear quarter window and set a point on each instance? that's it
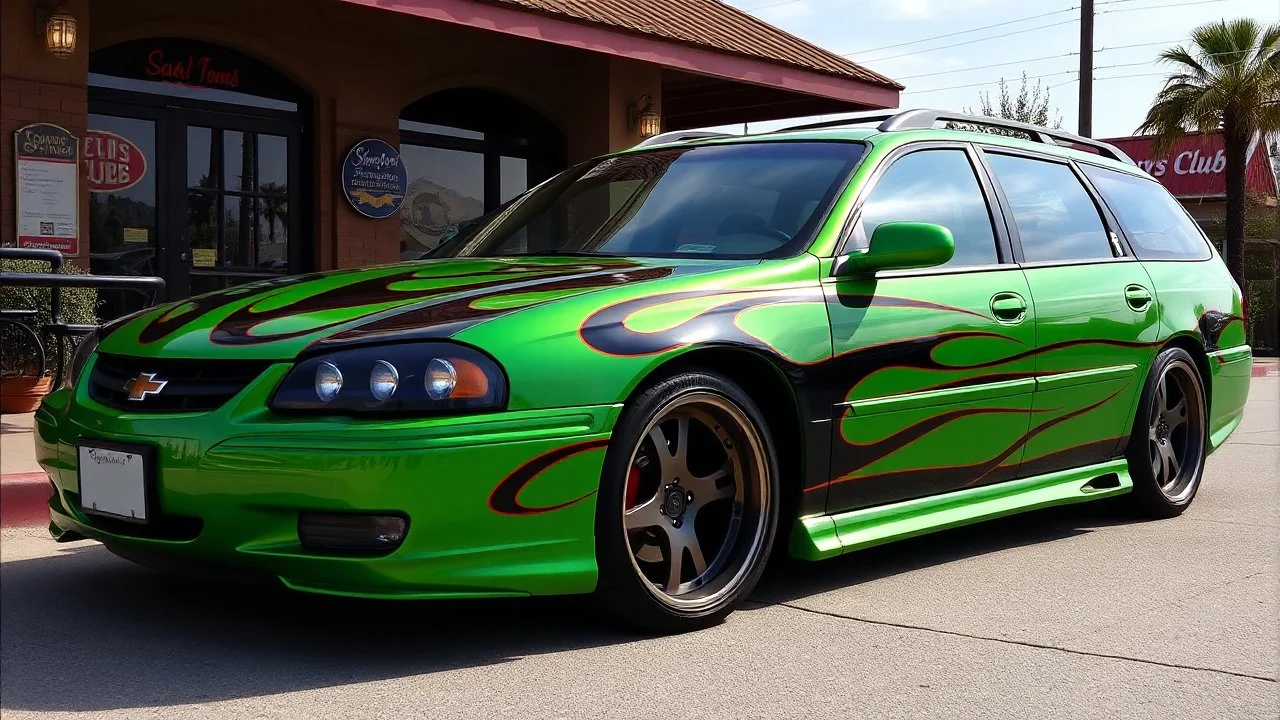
(1157, 226)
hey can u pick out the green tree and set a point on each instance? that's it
(1031, 105)
(1227, 80)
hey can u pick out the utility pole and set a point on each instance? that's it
(1086, 68)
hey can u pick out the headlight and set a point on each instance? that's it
(406, 379)
(80, 357)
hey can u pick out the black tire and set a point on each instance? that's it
(631, 585)
(1165, 437)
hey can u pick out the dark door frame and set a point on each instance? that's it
(172, 116)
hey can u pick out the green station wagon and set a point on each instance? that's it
(657, 369)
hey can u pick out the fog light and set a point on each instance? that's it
(351, 532)
(383, 380)
(442, 378)
(328, 381)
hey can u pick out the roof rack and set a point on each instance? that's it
(678, 135)
(924, 119)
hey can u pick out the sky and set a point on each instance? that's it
(1128, 35)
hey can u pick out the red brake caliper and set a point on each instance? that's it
(633, 486)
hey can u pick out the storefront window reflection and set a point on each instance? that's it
(446, 187)
(119, 163)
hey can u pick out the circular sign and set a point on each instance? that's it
(111, 162)
(374, 179)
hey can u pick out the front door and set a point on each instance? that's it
(236, 177)
(934, 368)
(193, 177)
(1096, 318)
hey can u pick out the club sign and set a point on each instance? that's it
(374, 179)
(111, 162)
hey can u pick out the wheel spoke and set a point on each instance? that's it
(1161, 398)
(645, 514)
(682, 541)
(681, 455)
(1177, 414)
(1169, 464)
(675, 563)
(1157, 465)
(704, 488)
(695, 551)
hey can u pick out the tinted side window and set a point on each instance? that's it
(1056, 218)
(933, 186)
(1158, 227)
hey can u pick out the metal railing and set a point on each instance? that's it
(22, 318)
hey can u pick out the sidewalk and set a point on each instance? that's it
(24, 488)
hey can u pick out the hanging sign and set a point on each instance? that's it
(374, 179)
(111, 162)
(48, 158)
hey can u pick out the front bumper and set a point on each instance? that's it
(231, 483)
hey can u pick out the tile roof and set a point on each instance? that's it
(709, 24)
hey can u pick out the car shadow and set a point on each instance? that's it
(85, 631)
(795, 579)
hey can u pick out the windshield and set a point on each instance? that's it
(747, 200)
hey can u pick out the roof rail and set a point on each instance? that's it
(678, 135)
(924, 119)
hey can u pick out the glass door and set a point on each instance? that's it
(119, 162)
(239, 180)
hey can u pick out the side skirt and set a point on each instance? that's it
(823, 536)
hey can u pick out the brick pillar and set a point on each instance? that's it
(36, 87)
(360, 240)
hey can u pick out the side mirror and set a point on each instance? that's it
(902, 246)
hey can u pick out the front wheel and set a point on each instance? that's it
(687, 508)
(1166, 451)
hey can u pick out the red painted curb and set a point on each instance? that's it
(1266, 370)
(24, 499)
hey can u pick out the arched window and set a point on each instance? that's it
(467, 151)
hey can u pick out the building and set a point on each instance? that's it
(211, 145)
(1194, 171)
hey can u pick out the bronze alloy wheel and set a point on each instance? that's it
(694, 505)
(1176, 430)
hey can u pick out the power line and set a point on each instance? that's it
(974, 29)
(980, 84)
(963, 32)
(1161, 7)
(1146, 44)
(984, 67)
(970, 42)
(769, 5)
(1035, 59)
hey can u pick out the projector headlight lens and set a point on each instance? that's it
(383, 381)
(328, 381)
(418, 378)
(442, 378)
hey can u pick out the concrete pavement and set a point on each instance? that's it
(1072, 612)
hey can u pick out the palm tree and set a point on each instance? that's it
(1228, 81)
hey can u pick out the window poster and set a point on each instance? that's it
(48, 162)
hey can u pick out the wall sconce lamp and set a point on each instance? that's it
(644, 118)
(57, 27)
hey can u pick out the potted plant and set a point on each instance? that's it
(23, 383)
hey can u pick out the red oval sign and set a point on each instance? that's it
(112, 162)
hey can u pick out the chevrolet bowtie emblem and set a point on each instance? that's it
(143, 385)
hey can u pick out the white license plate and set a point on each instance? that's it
(113, 482)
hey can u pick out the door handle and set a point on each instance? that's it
(1008, 307)
(1138, 297)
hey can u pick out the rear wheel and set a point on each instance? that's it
(687, 508)
(1166, 451)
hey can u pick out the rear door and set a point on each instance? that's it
(1096, 319)
(933, 375)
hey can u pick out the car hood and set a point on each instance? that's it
(280, 318)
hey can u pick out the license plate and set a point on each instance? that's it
(113, 481)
